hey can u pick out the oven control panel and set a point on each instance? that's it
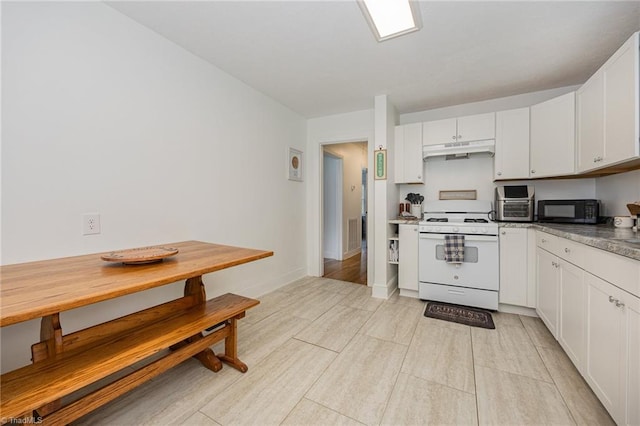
(449, 229)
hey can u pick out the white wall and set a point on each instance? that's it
(616, 191)
(356, 126)
(103, 115)
(332, 206)
(386, 274)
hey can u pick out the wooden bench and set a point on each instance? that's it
(65, 364)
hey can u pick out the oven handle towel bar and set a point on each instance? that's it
(454, 248)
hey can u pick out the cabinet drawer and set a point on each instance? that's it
(547, 241)
(618, 270)
(571, 251)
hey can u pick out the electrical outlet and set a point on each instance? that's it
(90, 224)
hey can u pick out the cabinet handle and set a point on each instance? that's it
(459, 136)
(611, 299)
(566, 250)
(543, 241)
(533, 171)
(619, 304)
(503, 233)
(499, 173)
(453, 137)
(419, 177)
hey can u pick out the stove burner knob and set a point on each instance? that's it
(472, 230)
(454, 229)
(483, 230)
(436, 228)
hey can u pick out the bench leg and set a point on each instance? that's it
(230, 355)
(206, 356)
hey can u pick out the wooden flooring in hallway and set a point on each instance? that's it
(353, 270)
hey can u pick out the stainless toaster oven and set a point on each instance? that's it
(514, 203)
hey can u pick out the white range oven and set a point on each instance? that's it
(475, 280)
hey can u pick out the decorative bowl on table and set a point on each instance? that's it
(140, 255)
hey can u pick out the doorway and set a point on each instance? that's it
(344, 211)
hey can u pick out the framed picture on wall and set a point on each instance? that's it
(380, 160)
(295, 165)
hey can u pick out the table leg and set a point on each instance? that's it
(51, 333)
(195, 287)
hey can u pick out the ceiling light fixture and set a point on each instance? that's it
(391, 18)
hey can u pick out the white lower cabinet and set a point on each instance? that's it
(515, 282)
(613, 349)
(596, 322)
(632, 364)
(548, 289)
(408, 265)
(572, 313)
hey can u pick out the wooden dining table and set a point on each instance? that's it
(66, 363)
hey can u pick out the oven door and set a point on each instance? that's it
(479, 269)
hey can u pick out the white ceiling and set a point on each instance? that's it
(320, 57)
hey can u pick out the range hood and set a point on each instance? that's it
(459, 149)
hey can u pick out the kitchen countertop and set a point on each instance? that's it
(604, 237)
(404, 221)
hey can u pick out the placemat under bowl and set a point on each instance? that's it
(140, 255)
(459, 314)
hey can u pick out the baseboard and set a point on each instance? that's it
(384, 291)
(275, 283)
(518, 310)
(409, 293)
(351, 253)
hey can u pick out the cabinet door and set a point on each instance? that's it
(513, 266)
(412, 156)
(621, 103)
(573, 304)
(605, 344)
(547, 300)
(476, 127)
(511, 159)
(553, 137)
(439, 131)
(590, 123)
(632, 371)
(408, 267)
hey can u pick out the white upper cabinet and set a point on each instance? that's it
(607, 109)
(440, 131)
(462, 129)
(621, 110)
(553, 137)
(408, 154)
(511, 159)
(477, 127)
(590, 123)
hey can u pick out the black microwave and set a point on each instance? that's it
(568, 211)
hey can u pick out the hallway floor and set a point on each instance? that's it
(324, 352)
(353, 270)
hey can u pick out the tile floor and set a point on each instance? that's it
(324, 352)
